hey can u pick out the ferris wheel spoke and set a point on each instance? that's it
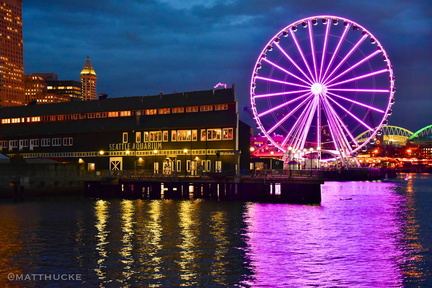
(341, 39)
(326, 36)
(280, 93)
(286, 71)
(356, 102)
(354, 66)
(282, 105)
(359, 77)
(302, 128)
(302, 54)
(293, 62)
(360, 90)
(280, 122)
(336, 125)
(309, 115)
(352, 115)
(296, 129)
(280, 82)
(341, 124)
(312, 49)
(346, 56)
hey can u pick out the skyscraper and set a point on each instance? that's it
(88, 81)
(11, 54)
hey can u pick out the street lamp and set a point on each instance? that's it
(154, 161)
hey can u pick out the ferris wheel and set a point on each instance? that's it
(320, 82)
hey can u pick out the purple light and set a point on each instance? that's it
(324, 50)
(281, 82)
(288, 115)
(358, 78)
(358, 103)
(352, 115)
(355, 65)
(282, 105)
(336, 51)
(293, 62)
(313, 51)
(360, 90)
(346, 56)
(279, 94)
(284, 70)
(302, 55)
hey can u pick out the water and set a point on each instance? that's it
(364, 234)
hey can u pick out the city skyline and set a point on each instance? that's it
(167, 46)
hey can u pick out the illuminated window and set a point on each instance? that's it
(138, 137)
(125, 113)
(150, 111)
(125, 137)
(227, 133)
(194, 135)
(214, 134)
(146, 136)
(113, 114)
(178, 110)
(164, 111)
(165, 136)
(174, 135)
(184, 135)
(206, 108)
(156, 136)
(192, 109)
(221, 107)
(203, 135)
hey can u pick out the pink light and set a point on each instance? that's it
(284, 70)
(220, 85)
(355, 65)
(288, 115)
(324, 50)
(293, 62)
(352, 115)
(279, 94)
(313, 50)
(336, 50)
(347, 56)
(302, 54)
(360, 90)
(359, 77)
(281, 82)
(282, 105)
(358, 103)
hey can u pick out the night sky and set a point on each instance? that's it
(144, 47)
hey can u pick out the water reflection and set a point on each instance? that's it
(339, 244)
(102, 216)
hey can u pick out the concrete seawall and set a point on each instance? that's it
(39, 179)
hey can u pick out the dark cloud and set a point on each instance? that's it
(141, 47)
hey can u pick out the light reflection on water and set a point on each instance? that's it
(364, 234)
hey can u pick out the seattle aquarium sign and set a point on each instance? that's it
(135, 146)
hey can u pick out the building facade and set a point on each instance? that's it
(88, 81)
(184, 133)
(11, 54)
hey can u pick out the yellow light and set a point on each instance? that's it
(185, 151)
(80, 160)
(155, 151)
(127, 152)
(101, 152)
(252, 149)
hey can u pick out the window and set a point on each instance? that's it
(23, 143)
(184, 135)
(207, 165)
(178, 110)
(146, 136)
(173, 135)
(34, 143)
(156, 136)
(206, 108)
(192, 109)
(56, 142)
(138, 137)
(221, 107)
(214, 134)
(45, 142)
(113, 114)
(150, 112)
(67, 141)
(203, 135)
(125, 113)
(3, 144)
(164, 111)
(227, 133)
(165, 136)
(125, 138)
(194, 135)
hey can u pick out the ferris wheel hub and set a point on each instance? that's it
(318, 88)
